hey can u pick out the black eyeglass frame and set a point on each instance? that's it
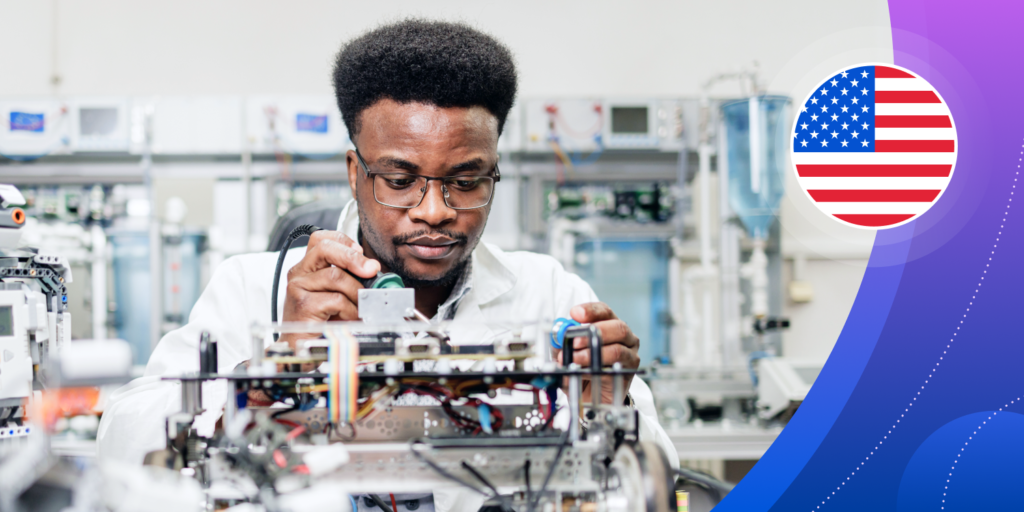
(495, 175)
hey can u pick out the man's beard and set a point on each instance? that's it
(390, 259)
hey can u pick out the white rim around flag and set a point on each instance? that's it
(874, 146)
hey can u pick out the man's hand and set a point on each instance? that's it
(618, 345)
(320, 287)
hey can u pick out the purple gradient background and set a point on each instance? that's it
(918, 290)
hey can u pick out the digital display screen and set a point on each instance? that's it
(27, 122)
(6, 321)
(97, 122)
(311, 123)
(629, 120)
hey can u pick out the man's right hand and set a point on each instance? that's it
(321, 287)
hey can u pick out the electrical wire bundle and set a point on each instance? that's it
(489, 419)
(569, 162)
(343, 384)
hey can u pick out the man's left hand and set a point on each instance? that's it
(618, 345)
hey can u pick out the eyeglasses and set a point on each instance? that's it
(405, 190)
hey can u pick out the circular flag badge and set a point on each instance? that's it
(874, 146)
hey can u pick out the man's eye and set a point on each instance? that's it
(399, 182)
(465, 183)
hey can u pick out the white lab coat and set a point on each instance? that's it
(505, 286)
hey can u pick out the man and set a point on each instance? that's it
(424, 103)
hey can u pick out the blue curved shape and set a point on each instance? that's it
(933, 335)
(979, 454)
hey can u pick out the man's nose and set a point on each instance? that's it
(432, 209)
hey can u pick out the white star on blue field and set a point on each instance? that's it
(840, 116)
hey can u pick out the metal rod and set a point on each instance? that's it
(575, 390)
(156, 289)
(618, 386)
(596, 383)
(231, 404)
(99, 282)
(192, 397)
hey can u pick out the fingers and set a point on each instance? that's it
(327, 294)
(328, 248)
(612, 331)
(592, 312)
(610, 354)
(306, 306)
(330, 279)
(619, 344)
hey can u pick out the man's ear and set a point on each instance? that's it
(352, 164)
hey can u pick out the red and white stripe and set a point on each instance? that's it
(915, 150)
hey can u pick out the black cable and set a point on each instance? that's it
(526, 476)
(433, 465)
(278, 414)
(504, 499)
(380, 503)
(481, 478)
(549, 420)
(531, 506)
(303, 230)
(715, 487)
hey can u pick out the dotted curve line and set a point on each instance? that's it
(936, 368)
(962, 450)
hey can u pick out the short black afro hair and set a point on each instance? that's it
(414, 60)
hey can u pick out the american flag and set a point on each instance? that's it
(874, 146)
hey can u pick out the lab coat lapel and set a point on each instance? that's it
(348, 221)
(491, 279)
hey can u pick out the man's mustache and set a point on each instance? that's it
(459, 238)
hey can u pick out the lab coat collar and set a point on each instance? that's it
(491, 277)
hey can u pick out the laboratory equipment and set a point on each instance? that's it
(100, 124)
(782, 385)
(752, 164)
(631, 276)
(628, 201)
(726, 294)
(70, 220)
(180, 284)
(522, 457)
(34, 322)
(564, 126)
(415, 403)
(643, 124)
(295, 125)
(31, 129)
(188, 125)
(573, 125)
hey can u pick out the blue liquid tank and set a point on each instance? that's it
(755, 143)
(756, 159)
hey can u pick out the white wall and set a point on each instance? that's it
(564, 48)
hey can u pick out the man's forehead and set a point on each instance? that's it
(389, 122)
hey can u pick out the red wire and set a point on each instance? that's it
(594, 130)
(394, 506)
(536, 400)
(279, 459)
(296, 432)
(289, 423)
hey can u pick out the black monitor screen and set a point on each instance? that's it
(629, 120)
